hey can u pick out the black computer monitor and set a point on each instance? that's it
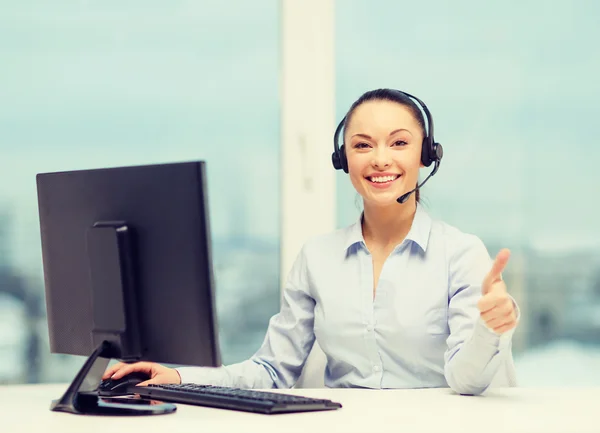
(127, 270)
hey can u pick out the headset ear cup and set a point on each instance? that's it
(338, 157)
(339, 160)
(438, 151)
(425, 153)
(335, 160)
(343, 158)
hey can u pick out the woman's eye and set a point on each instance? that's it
(400, 143)
(361, 145)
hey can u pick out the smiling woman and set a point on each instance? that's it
(395, 300)
(514, 91)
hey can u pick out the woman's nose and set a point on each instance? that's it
(381, 158)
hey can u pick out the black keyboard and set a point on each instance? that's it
(235, 398)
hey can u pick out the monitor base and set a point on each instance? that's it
(82, 398)
(98, 406)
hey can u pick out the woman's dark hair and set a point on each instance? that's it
(393, 96)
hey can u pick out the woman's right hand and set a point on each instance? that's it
(159, 374)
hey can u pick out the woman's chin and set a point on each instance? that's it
(383, 199)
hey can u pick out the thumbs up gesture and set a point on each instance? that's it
(495, 306)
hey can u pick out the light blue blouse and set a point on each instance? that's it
(421, 330)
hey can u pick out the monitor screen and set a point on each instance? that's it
(127, 258)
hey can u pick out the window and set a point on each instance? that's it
(513, 90)
(98, 84)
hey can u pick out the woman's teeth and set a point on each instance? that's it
(382, 179)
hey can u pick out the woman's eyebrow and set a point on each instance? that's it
(368, 137)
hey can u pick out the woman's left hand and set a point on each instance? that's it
(496, 306)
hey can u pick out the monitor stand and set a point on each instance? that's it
(115, 325)
(82, 395)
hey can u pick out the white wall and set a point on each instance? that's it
(307, 124)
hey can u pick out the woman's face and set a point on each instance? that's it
(383, 146)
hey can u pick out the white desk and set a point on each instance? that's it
(26, 409)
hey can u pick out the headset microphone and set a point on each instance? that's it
(402, 199)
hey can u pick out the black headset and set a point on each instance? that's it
(431, 152)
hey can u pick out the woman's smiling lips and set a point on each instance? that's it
(382, 180)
